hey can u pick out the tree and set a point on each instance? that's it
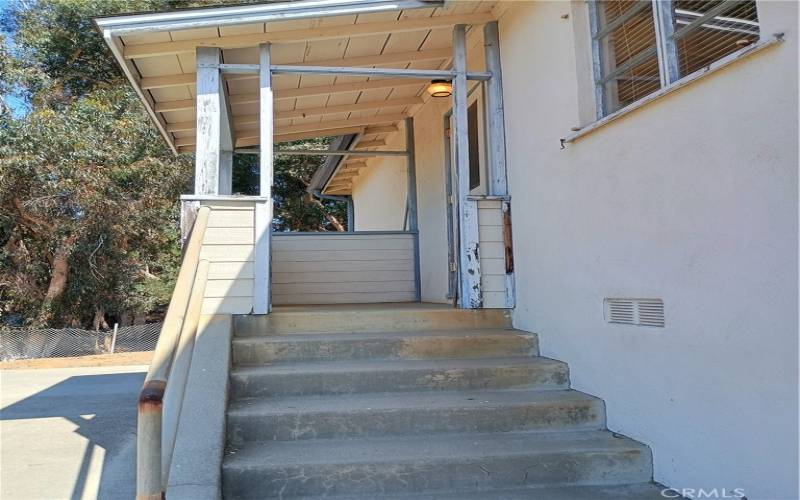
(88, 189)
(295, 208)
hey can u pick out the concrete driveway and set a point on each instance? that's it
(68, 433)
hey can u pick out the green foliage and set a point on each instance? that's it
(88, 189)
(95, 180)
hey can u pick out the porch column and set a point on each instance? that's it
(214, 144)
(495, 121)
(209, 106)
(471, 296)
(263, 215)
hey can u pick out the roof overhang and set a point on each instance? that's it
(341, 67)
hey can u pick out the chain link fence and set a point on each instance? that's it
(27, 343)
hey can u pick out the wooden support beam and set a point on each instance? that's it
(208, 136)
(179, 105)
(339, 152)
(411, 203)
(331, 110)
(263, 212)
(281, 135)
(419, 74)
(160, 82)
(469, 249)
(378, 83)
(382, 129)
(181, 126)
(370, 144)
(235, 99)
(300, 35)
(495, 119)
(334, 124)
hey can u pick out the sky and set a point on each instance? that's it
(18, 106)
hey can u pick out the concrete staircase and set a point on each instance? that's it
(414, 402)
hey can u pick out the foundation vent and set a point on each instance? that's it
(639, 312)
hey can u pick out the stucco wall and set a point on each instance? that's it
(692, 199)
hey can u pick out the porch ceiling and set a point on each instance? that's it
(161, 66)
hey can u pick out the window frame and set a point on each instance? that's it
(665, 45)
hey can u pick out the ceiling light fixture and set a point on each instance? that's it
(440, 88)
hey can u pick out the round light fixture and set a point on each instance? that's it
(440, 88)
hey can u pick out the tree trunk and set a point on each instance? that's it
(99, 322)
(58, 278)
(328, 216)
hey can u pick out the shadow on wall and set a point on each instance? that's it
(38, 456)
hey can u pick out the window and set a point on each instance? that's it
(474, 146)
(641, 46)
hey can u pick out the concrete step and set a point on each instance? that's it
(369, 317)
(639, 491)
(361, 376)
(362, 415)
(431, 463)
(384, 345)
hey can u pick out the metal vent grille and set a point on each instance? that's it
(640, 312)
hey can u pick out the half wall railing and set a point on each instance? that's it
(161, 397)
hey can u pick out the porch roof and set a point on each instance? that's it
(157, 53)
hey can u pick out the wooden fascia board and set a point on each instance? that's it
(311, 34)
(250, 14)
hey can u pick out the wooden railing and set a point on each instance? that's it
(161, 397)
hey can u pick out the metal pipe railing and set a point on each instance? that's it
(176, 340)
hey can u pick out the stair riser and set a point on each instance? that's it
(254, 352)
(551, 376)
(552, 416)
(563, 468)
(384, 320)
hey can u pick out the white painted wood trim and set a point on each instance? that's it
(227, 16)
(263, 229)
(495, 118)
(687, 80)
(208, 129)
(469, 247)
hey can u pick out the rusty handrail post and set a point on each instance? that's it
(149, 481)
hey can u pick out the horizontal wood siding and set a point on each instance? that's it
(341, 268)
(493, 261)
(228, 244)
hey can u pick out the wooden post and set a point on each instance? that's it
(209, 106)
(469, 248)
(413, 219)
(225, 172)
(263, 215)
(225, 176)
(495, 120)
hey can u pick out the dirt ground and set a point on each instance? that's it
(118, 359)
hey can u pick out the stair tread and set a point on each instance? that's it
(352, 403)
(639, 491)
(433, 447)
(316, 337)
(371, 365)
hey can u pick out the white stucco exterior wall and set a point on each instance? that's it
(692, 199)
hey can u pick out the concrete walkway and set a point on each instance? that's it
(68, 433)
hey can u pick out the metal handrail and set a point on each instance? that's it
(169, 369)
